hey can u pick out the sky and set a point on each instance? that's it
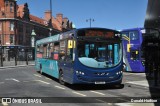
(112, 14)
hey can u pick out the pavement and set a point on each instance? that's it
(147, 83)
(144, 83)
(23, 65)
(135, 84)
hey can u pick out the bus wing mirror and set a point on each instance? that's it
(73, 57)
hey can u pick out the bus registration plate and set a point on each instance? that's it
(100, 82)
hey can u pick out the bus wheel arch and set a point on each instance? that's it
(61, 80)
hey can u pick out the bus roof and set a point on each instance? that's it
(57, 37)
(98, 28)
(48, 39)
(132, 29)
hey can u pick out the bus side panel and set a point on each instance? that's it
(49, 67)
(53, 68)
(68, 73)
(67, 68)
(126, 56)
(37, 64)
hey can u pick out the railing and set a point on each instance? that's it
(16, 57)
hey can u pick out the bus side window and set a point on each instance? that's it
(62, 51)
(56, 51)
(134, 55)
(44, 51)
(133, 35)
(39, 51)
(50, 50)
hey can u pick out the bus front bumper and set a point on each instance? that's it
(98, 80)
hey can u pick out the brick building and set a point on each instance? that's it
(17, 24)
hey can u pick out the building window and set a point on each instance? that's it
(11, 26)
(11, 7)
(11, 39)
(6, 2)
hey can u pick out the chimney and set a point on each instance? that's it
(47, 15)
(59, 17)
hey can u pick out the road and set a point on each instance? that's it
(26, 82)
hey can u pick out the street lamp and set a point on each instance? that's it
(33, 34)
(90, 21)
(50, 31)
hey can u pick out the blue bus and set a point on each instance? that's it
(133, 55)
(82, 56)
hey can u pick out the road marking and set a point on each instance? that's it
(1, 82)
(124, 104)
(79, 93)
(26, 81)
(141, 83)
(13, 79)
(4, 104)
(37, 75)
(48, 78)
(111, 104)
(42, 81)
(100, 100)
(59, 87)
(97, 92)
(139, 74)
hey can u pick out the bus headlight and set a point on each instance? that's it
(80, 73)
(119, 72)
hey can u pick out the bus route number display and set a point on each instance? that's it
(105, 34)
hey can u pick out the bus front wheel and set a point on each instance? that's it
(61, 80)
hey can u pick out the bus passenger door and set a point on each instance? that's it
(70, 55)
(116, 52)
